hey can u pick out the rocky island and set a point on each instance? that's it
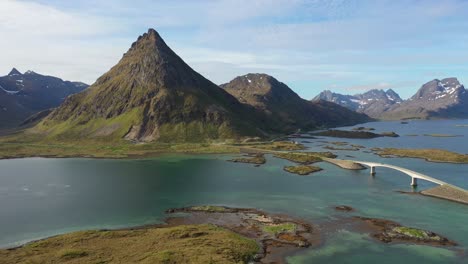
(209, 234)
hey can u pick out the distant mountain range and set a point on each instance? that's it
(445, 98)
(372, 103)
(23, 95)
(153, 95)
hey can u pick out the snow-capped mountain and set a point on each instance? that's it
(446, 98)
(372, 103)
(22, 95)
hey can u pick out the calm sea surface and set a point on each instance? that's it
(42, 197)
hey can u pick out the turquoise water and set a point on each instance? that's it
(42, 197)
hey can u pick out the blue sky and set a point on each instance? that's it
(342, 45)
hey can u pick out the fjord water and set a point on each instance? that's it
(42, 197)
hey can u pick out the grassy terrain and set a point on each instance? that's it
(302, 169)
(35, 145)
(258, 159)
(410, 232)
(436, 155)
(341, 148)
(181, 244)
(277, 146)
(441, 135)
(209, 208)
(279, 228)
(305, 157)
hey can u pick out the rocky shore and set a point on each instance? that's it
(211, 233)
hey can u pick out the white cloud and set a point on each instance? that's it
(303, 41)
(34, 19)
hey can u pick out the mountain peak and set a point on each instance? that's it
(257, 88)
(14, 72)
(151, 39)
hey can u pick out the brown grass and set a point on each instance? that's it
(436, 155)
(181, 244)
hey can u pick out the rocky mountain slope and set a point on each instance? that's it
(372, 103)
(283, 105)
(23, 95)
(445, 98)
(152, 95)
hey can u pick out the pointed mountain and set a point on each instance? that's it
(372, 103)
(23, 95)
(152, 95)
(446, 98)
(14, 72)
(284, 106)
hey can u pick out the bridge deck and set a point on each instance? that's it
(444, 190)
(410, 173)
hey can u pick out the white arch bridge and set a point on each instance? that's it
(444, 190)
(413, 174)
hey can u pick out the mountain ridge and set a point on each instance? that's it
(445, 98)
(24, 95)
(280, 102)
(151, 94)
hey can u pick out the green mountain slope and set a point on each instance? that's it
(152, 95)
(286, 108)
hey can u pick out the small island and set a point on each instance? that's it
(389, 231)
(302, 169)
(209, 234)
(354, 134)
(433, 155)
(305, 157)
(363, 128)
(257, 159)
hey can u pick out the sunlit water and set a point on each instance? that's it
(42, 197)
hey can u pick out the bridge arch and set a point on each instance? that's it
(413, 174)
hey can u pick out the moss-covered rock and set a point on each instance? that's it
(302, 169)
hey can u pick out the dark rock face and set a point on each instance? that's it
(445, 98)
(152, 94)
(282, 104)
(23, 95)
(372, 103)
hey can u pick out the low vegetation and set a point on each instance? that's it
(435, 155)
(364, 129)
(279, 228)
(181, 244)
(302, 169)
(209, 208)
(255, 159)
(341, 148)
(347, 134)
(26, 145)
(362, 134)
(278, 146)
(442, 135)
(305, 157)
(389, 134)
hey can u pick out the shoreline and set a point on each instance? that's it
(248, 222)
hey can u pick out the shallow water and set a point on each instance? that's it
(42, 197)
